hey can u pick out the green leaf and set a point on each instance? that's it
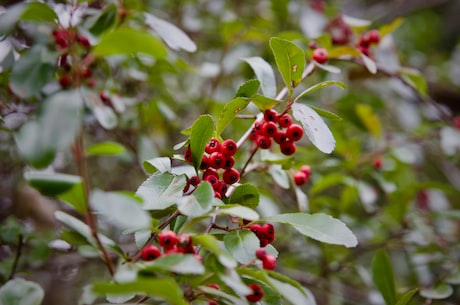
(369, 119)
(32, 71)
(238, 211)
(291, 293)
(344, 51)
(202, 131)
(390, 27)
(174, 37)
(161, 191)
(161, 164)
(326, 114)
(222, 295)
(128, 41)
(319, 86)
(75, 196)
(121, 209)
(279, 175)
(246, 195)
(382, 273)
(177, 263)
(55, 129)
(21, 292)
(415, 79)
(407, 297)
(248, 89)
(264, 103)
(265, 75)
(210, 243)
(51, 184)
(326, 182)
(441, 291)
(105, 149)
(199, 202)
(242, 245)
(164, 288)
(36, 11)
(106, 20)
(321, 227)
(316, 130)
(232, 279)
(290, 60)
(10, 17)
(229, 112)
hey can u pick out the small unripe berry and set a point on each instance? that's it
(300, 178)
(228, 147)
(150, 252)
(231, 175)
(320, 55)
(270, 115)
(269, 262)
(294, 132)
(285, 120)
(257, 293)
(168, 239)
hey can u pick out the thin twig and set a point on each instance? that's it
(16, 258)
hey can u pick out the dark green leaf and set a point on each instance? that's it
(129, 41)
(246, 195)
(326, 114)
(407, 297)
(382, 273)
(75, 196)
(229, 112)
(161, 191)
(199, 202)
(319, 86)
(290, 60)
(318, 226)
(202, 131)
(36, 11)
(32, 71)
(248, 89)
(164, 288)
(242, 244)
(265, 75)
(105, 149)
(178, 263)
(51, 184)
(21, 292)
(106, 20)
(263, 102)
(441, 291)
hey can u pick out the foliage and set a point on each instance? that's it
(114, 88)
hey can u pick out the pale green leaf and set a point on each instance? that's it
(161, 190)
(265, 75)
(105, 149)
(242, 245)
(197, 203)
(21, 292)
(231, 109)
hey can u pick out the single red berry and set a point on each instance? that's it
(253, 135)
(213, 302)
(261, 253)
(185, 242)
(258, 127)
(269, 262)
(377, 163)
(294, 132)
(231, 175)
(229, 162)
(210, 172)
(204, 162)
(306, 169)
(150, 252)
(213, 180)
(364, 40)
(287, 148)
(285, 120)
(228, 147)
(194, 180)
(264, 142)
(270, 115)
(257, 293)
(457, 122)
(65, 81)
(320, 55)
(168, 239)
(86, 73)
(220, 187)
(364, 50)
(216, 160)
(175, 250)
(312, 45)
(188, 155)
(213, 285)
(84, 41)
(280, 137)
(212, 146)
(256, 229)
(269, 129)
(217, 195)
(374, 36)
(269, 230)
(300, 178)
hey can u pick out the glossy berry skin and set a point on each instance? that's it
(300, 178)
(270, 115)
(261, 253)
(212, 146)
(294, 132)
(188, 155)
(168, 239)
(149, 253)
(374, 36)
(258, 127)
(228, 147)
(257, 293)
(194, 180)
(306, 169)
(280, 137)
(285, 120)
(264, 142)
(213, 180)
(287, 148)
(269, 262)
(210, 172)
(204, 162)
(320, 55)
(229, 162)
(269, 129)
(231, 175)
(216, 160)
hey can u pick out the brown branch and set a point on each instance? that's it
(16, 258)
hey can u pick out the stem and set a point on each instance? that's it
(16, 258)
(79, 155)
(253, 152)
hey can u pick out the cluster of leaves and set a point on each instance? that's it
(390, 207)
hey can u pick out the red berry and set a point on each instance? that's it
(256, 229)
(312, 45)
(269, 231)
(217, 195)
(212, 146)
(175, 250)
(270, 115)
(216, 160)
(285, 120)
(231, 175)
(377, 162)
(287, 148)
(280, 137)
(374, 36)
(84, 41)
(204, 162)
(215, 286)
(294, 132)
(364, 50)
(258, 127)
(185, 242)
(194, 180)
(91, 82)
(457, 122)
(228, 147)
(220, 187)
(306, 169)
(210, 172)
(261, 253)
(253, 135)
(213, 180)
(168, 239)
(257, 293)
(188, 155)
(269, 262)
(320, 55)
(269, 129)
(65, 81)
(229, 162)
(149, 253)
(364, 40)
(300, 178)
(264, 142)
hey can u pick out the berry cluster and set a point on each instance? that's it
(171, 244)
(71, 73)
(265, 233)
(219, 158)
(301, 177)
(367, 39)
(268, 260)
(278, 127)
